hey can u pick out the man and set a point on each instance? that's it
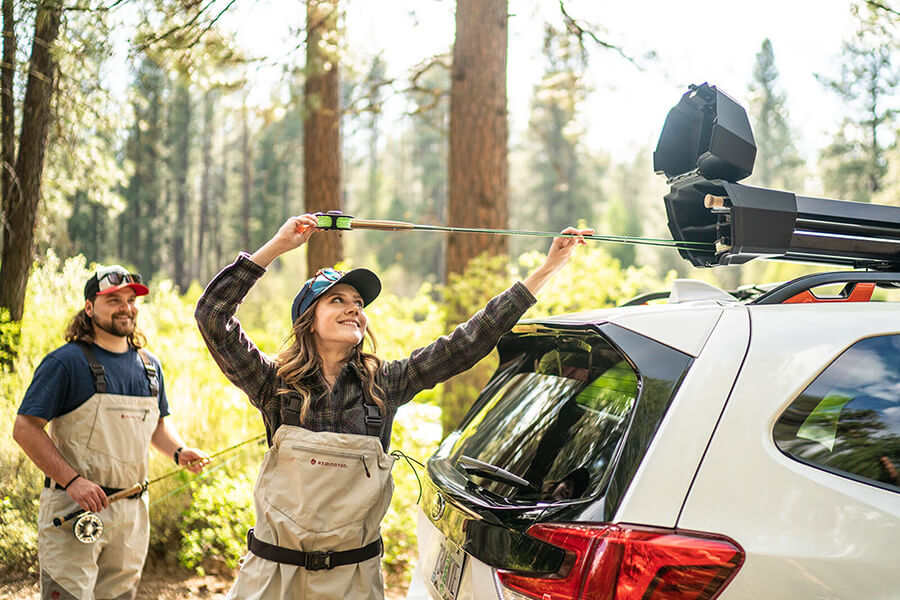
(104, 398)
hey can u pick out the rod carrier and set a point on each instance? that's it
(705, 148)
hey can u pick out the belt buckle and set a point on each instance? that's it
(316, 561)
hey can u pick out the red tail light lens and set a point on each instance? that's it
(619, 562)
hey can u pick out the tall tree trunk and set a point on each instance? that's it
(245, 181)
(321, 128)
(22, 205)
(182, 157)
(203, 224)
(7, 112)
(479, 171)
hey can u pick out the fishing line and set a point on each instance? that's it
(338, 221)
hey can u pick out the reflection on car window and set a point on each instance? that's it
(848, 420)
(558, 423)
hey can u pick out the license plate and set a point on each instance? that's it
(448, 570)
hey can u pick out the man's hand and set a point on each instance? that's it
(193, 459)
(87, 494)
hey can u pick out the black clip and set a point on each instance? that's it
(316, 561)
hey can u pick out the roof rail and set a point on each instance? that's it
(705, 148)
(858, 288)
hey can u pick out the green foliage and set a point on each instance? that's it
(10, 336)
(214, 528)
(854, 165)
(18, 535)
(417, 432)
(591, 280)
(465, 294)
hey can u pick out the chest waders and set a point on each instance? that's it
(320, 498)
(107, 441)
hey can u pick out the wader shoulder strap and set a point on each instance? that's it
(374, 420)
(290, 414)
(290, 410)
(150, 369)
(97, 369)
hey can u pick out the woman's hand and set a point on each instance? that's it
(557, 257)
(562, 247)
(295, 232)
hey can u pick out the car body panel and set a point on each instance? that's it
(807, 533)
(685, 327)
(658, 489)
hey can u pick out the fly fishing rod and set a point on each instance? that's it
(88, 526)
(335, 220)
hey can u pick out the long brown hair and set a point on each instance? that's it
(299, 364)
(81, 329)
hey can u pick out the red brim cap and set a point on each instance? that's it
(139, 289)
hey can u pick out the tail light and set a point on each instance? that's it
(620, 562)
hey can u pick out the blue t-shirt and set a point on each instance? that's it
(63, 381)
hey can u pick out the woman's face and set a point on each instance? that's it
(340, 321)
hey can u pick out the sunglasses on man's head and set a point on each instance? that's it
(108, 280)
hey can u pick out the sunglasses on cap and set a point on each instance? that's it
(115, 278)
(112, 278)
(328, 274)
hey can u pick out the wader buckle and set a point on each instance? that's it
(316, 561)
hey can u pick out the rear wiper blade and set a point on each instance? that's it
(473, 466)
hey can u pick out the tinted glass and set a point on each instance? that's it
(557, 422)
(848, 420)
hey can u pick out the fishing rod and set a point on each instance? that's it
(88, 526)
(335, 220)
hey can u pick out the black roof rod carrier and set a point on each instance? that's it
(706, 147)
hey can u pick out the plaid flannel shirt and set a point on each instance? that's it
(341, 410)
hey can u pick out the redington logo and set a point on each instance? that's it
(325, 463)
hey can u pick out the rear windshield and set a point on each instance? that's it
(556, 419)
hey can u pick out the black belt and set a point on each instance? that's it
(106, 490)
(311, 561)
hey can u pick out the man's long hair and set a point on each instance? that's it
(81, 329)
(300, 367)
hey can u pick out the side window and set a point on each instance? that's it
(848, 420)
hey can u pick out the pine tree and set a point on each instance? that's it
(854, 164)
(778, 164)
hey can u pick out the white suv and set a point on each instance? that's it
(711, 447)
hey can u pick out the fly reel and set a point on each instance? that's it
(88, 528)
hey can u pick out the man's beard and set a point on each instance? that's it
(114, 326)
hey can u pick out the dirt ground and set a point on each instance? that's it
(159, 583)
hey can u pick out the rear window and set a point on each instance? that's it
(557, 415)
(848, 420)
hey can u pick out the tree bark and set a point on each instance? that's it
(182, 157)
(245, 180)
(322, 128)
(205, 182)
(479, 170)
(7, 112)
(22, 204)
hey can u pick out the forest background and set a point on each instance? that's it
(142, 132)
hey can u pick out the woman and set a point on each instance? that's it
(328, 406)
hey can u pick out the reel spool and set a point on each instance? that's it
(88, 528)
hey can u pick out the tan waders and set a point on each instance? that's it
(106, 440)
(320, 498)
